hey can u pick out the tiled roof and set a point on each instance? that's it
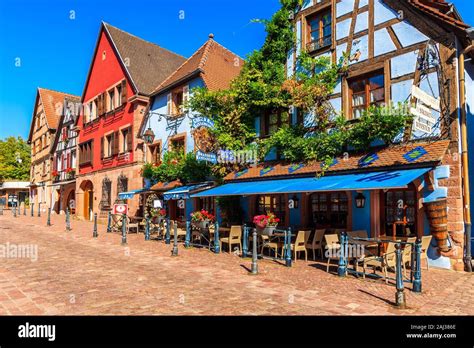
(165, 186)
(393, 156)
(148, 64)
(50, 100)
(216, 64)
(440, 9)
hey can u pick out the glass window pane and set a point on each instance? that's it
(376, 82)
(358, 99)
(377, 95)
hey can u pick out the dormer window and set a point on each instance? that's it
(319, 31)
(177, 100)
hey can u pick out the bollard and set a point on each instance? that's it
(109, 222)
(1, 209)
(32, 210)
(417, 275)
(175, 240)
(342, 267)
(254, 252)
(124, 229)
(39, 209)
(288, 247)
(68, 220)
(400, 295)
(14, 210)
(24, 209)
(187, 241)
(245, 241)
(147, 228)
(94, 233)
(48, 222)
(167, 236)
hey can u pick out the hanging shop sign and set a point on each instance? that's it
(424, 120)
(203, 139)
(121, 209)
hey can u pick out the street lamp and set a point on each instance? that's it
(149, 136)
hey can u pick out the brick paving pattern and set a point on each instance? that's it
(76, 274)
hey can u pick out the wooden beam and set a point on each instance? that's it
(394, 38)
(371, 29)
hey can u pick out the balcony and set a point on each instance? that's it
(63, 175)
(319, 44)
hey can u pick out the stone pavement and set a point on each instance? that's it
(75, 274)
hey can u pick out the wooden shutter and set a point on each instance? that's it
(168, 104)
(102, 147)
(91, 151)
(185, 97)
(124, 92)
(115, 142)
(129, 139)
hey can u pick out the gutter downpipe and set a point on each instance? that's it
(464, 158)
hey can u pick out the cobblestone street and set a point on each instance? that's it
(76, 274)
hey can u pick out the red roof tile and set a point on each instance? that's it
(391, 156)
(217, 65)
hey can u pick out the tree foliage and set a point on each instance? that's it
(15, 159)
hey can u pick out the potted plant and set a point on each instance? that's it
(266, 224)
(70, 173)
(157, 215)
(55, 175)
(202, 218)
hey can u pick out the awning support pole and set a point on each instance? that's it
(216, 239)
(342, 267)
(417, 276)
(288, 247)
(187, 241)
(245, 241)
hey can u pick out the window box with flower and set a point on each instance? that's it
(157, 215)
(70, 173)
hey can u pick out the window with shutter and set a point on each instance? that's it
(115, 150)
(129, 139)
(124, 91)
(104, 103)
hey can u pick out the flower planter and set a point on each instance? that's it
(202, 224)
(267, 231)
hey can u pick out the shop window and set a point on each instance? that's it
(329, 210)
(275, 204)
(319, 31)
(400, 204)
(366, 91)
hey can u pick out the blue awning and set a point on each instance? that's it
(348, 182)
(184, 192)
(130, 194)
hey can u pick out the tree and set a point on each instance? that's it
(15, 159)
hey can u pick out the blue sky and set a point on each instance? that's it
(55, 50)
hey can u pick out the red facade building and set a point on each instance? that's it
(124, 71)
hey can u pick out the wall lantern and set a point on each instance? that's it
(360, 200)
(149, 136)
